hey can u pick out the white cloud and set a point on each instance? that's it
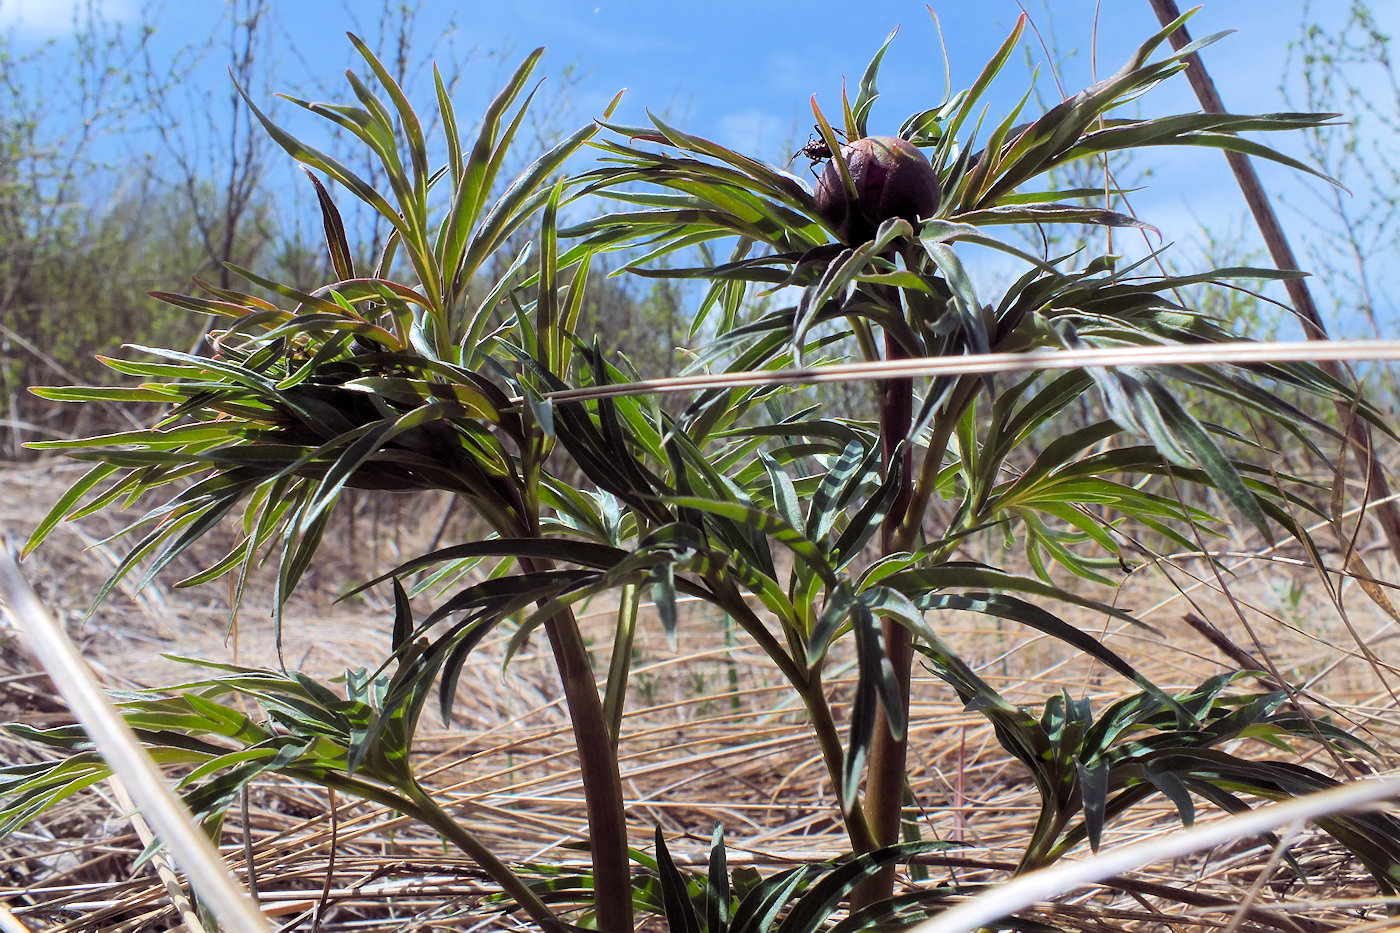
(47, 19)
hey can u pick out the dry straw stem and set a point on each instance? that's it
(8, 923)
(1282, 253)
(1047, 883)
(161, 862)
(1242, 351)
(123, 753)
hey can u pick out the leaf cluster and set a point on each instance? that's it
(441, 368)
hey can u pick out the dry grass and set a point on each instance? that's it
(712, 736)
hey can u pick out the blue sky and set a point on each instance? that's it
(742, 71)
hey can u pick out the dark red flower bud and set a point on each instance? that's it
(892, 178)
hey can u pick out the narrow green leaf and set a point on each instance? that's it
(718, 907)
(339, 247)
(403, 618)
(867, 94)
(814, 908)
(675, 892)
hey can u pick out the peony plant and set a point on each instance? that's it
(460, 361)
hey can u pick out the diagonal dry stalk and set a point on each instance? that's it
(1050, 882)
(1377, 489)
(123, 752)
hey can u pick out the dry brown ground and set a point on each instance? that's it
(711, 737)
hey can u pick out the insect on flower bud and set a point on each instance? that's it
(892, 179)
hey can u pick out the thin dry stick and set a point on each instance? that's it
(1030, 889)
(1265, 874)
(249, 863)
(160, 860)
(1238, 351)
(1377, 487)
(120, 749)
(320, 910)
(9, 923)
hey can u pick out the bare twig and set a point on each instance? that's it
(160, 860)
(208, 873)
(1027, 890)
(1229, 648)
(1377, 487)
(1243, 351)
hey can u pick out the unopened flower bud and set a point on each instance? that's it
(892, 179)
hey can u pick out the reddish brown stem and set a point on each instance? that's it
(602, 784)
(884, 790)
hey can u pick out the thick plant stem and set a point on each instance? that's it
(884, 790)
(602, 784)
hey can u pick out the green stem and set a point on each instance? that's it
(420, 806)
(620, 664)
(509, 881)
(912, 521)
(728, 597)
(808, 683)
(833, 755)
